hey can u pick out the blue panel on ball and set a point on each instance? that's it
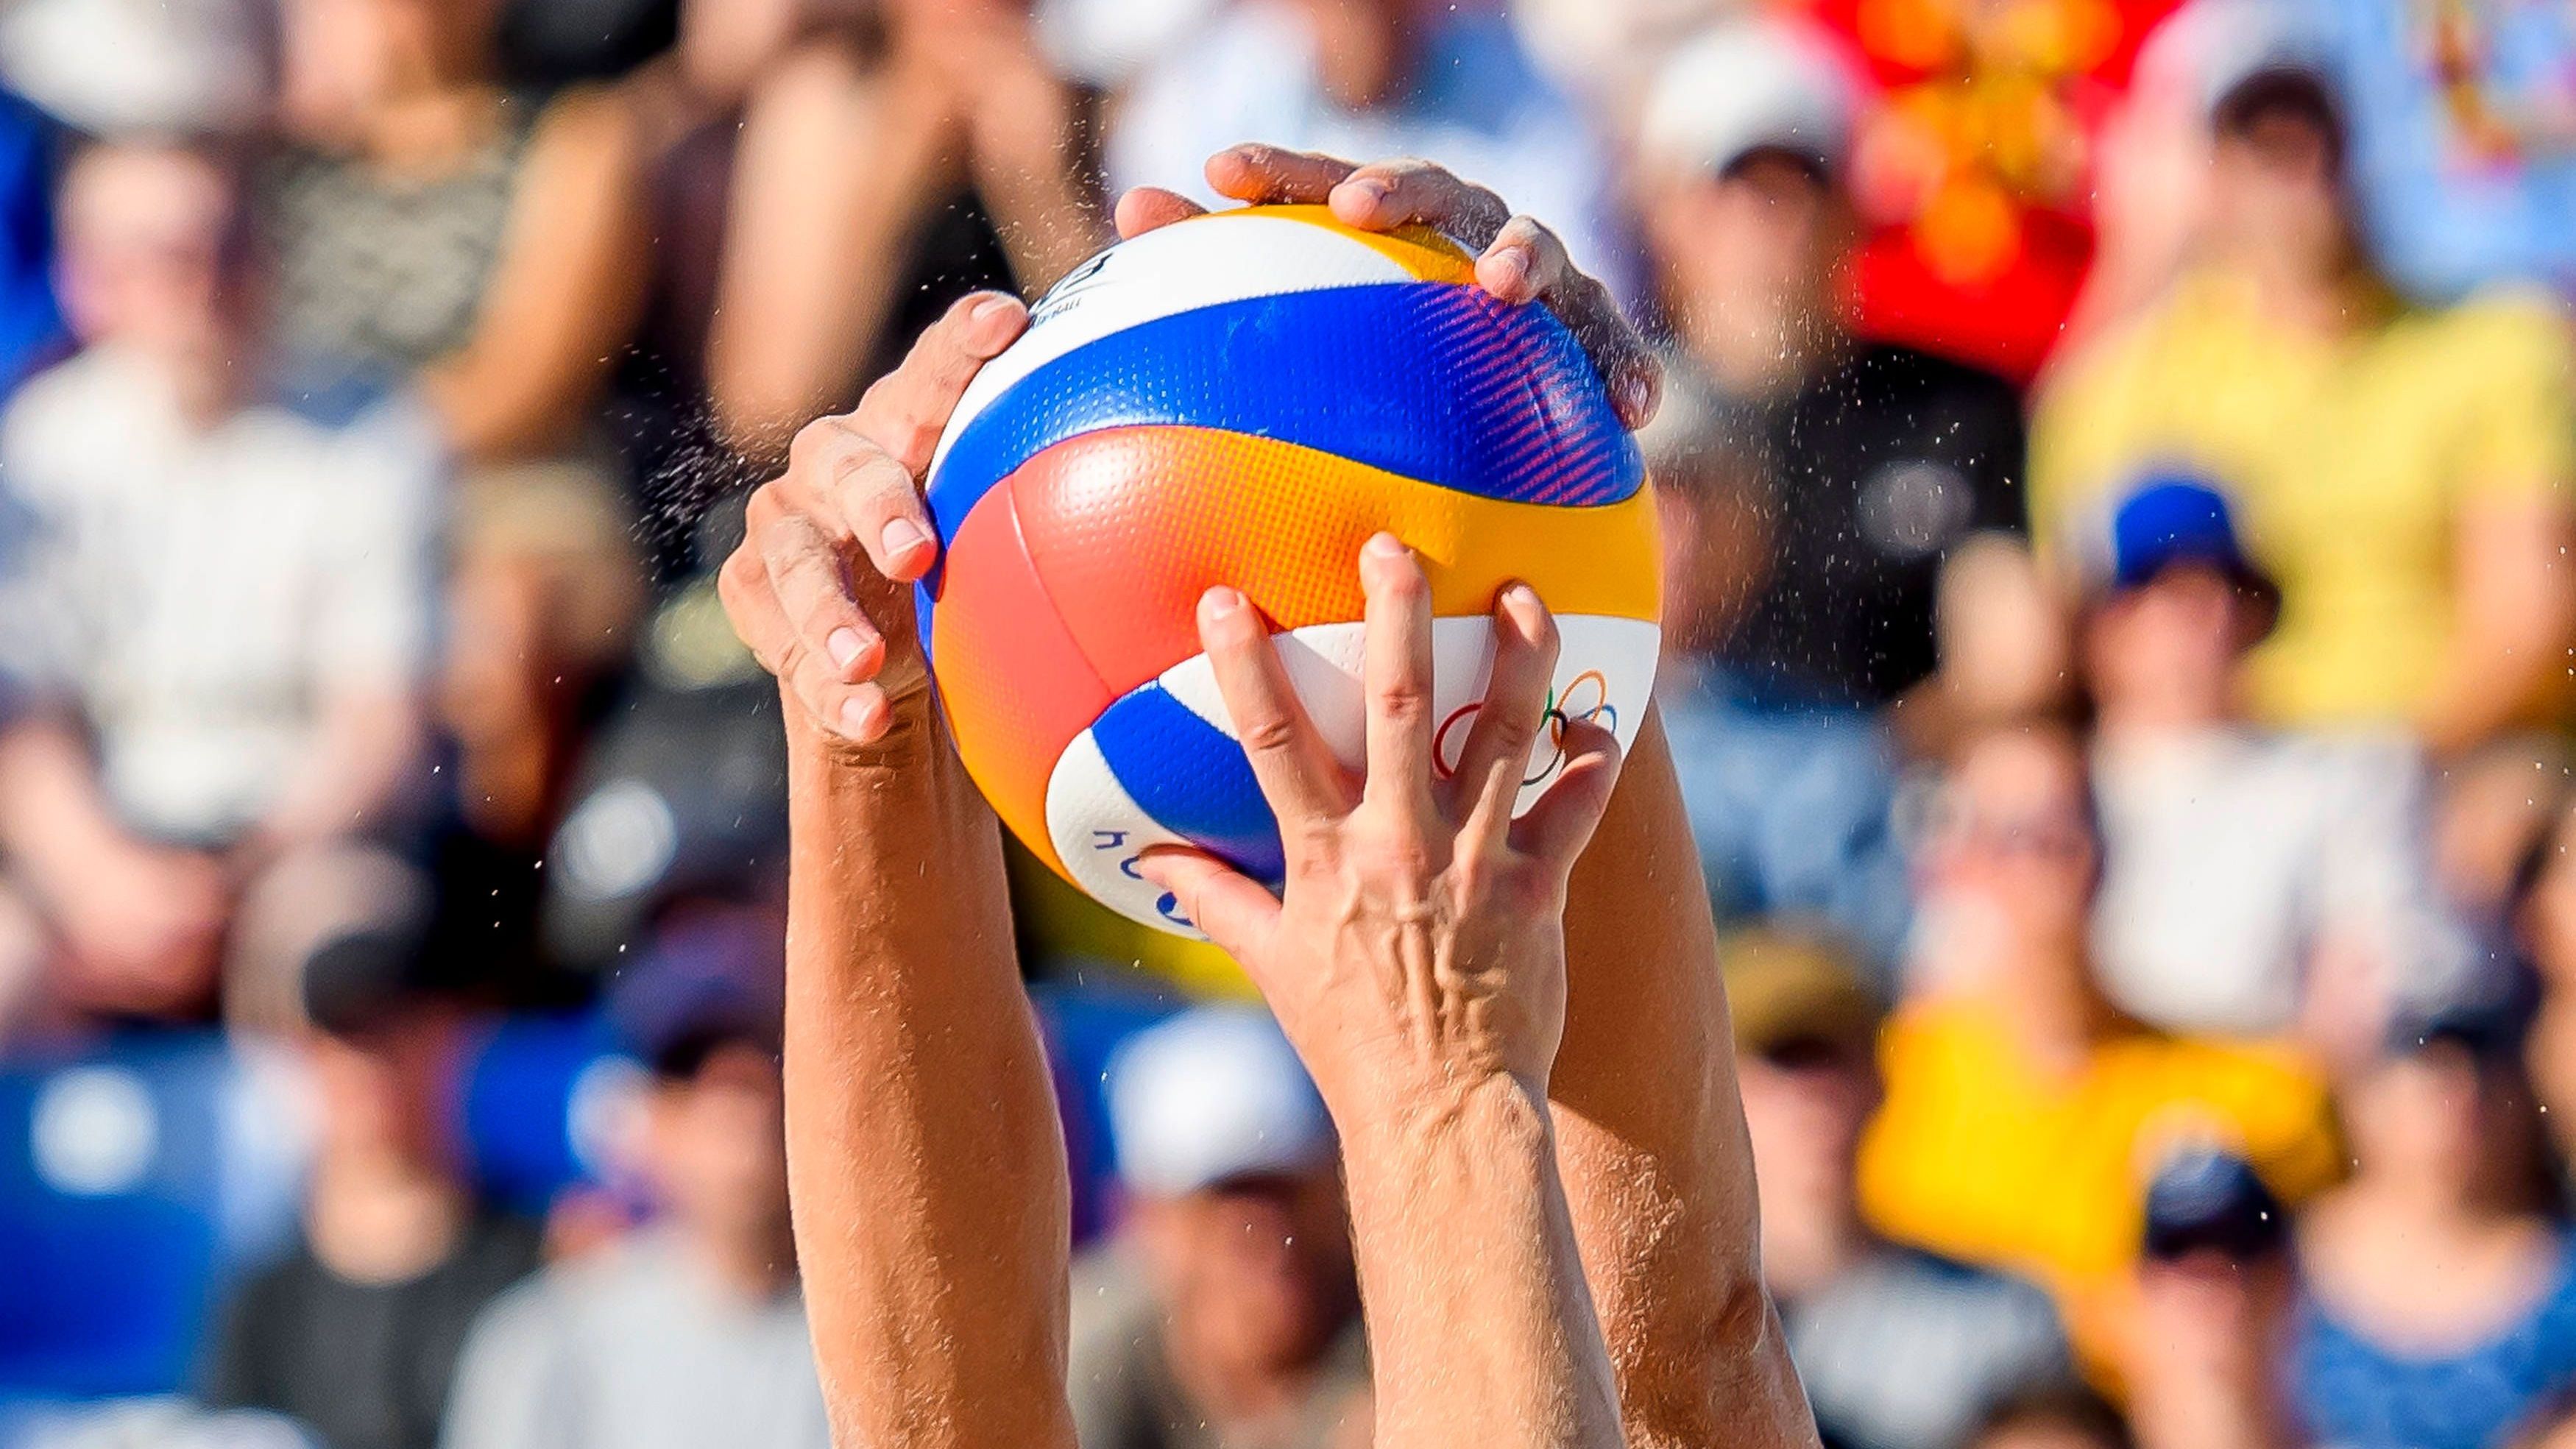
(1191, 778)
(1429, 380)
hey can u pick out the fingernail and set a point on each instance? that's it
(902, 536)
(1370, 187)
(857, 719)
(845, 647)
(1387, 545)
(990, 308)
(1514, 265)
(1521, 596)
(1221, 602)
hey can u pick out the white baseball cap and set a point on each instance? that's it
(2210, 50)
(1745, 85)
(1209, 1096)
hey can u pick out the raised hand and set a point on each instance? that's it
(1519, 260)
(1417, 962)
(821, 588)
(1420, 944)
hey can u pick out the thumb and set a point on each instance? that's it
(1229, 907)
(1558, 827)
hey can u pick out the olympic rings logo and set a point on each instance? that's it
(1586, 697)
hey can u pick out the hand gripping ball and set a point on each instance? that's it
(1243, 399)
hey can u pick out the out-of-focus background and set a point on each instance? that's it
(2116, 469)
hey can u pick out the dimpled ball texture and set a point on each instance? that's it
(1243, 399)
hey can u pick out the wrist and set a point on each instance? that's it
(914, 739)
(1491, 1115)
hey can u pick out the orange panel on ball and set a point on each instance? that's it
(1016, 686)
(1128, 526)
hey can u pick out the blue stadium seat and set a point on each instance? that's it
(115, 1200)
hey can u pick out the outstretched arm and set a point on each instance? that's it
(1649, 1129)
(1650, 1133)
(1417, 961)
(925, 1162)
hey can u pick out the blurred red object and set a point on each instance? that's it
(1973, 164)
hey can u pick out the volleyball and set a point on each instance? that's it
(1244, 398)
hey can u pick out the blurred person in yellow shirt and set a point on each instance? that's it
(2404, 469)
(2023, 1114)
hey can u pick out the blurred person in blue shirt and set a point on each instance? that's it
(1449, 82)
(214, 614)
(1224, 1311)
(2438, 1302)
(689, 1333)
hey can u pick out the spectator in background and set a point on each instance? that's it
(977, 172)
(218, 614)
(688, 106)
(1224, 1313)
(436, 233)
(2256, 883)
(1813, 484)
(356, 1331)
(791, 266)
(435, 230)
(2214, 1287)
(1898, 1349)
(690, 1334)
(2020, 1104)
(2439, 1309)
(2403, 472)
(1447, 82)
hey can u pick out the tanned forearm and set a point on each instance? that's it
(926, 1163)
(1459, 1222)
(1651, 1140)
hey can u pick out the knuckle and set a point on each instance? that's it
(814, 444)
(1405, 699)
(1269, 734)
(1513, 738)
(734, 579)
(788, 537)
(875, 481)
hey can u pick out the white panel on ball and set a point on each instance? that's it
(1605, 671)
(1605, 668)
(1099, 830)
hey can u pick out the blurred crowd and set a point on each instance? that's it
(2116, 465)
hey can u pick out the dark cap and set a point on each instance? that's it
(2168, 518)
(709, 979)
(2208, 1200)
(365, 981)
(2487, 1027)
